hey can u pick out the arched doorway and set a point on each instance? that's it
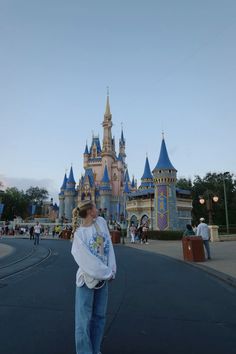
(144, 219)
(134, 220)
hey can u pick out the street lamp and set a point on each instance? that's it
(209, 200)
(226, 205)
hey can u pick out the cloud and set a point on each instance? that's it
(25, 183)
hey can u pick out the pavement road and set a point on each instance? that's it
(157, 305)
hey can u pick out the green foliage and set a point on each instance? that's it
(184, 183)
(165, 235)
(18, 203)
(212, 184)
(36, 194)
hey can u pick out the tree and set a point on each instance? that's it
(36, 194)
(212, 184)
(184, 183)
(15, 204)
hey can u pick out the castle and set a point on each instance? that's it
(107, 183)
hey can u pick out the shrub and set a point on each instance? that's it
(165, 235)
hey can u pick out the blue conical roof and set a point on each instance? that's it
(164, 161)
(126, 178)
(71, 177)
(126, 189)
(63, 187)
(105, 182)
(122, 139)
(147, 174)
(86, 149)
(105, 178)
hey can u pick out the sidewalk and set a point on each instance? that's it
(222, 265)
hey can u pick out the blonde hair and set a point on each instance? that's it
(75, 221)
(80, 212)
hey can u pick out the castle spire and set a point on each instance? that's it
(122, 154)
(105, 182)
(86, 149)
(108, 110)
(63, 187)
(147, 171)
(164, 161)
(107, 125)
(70, 184)
(147, 177)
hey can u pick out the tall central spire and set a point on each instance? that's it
(107, 125)
(108, 111)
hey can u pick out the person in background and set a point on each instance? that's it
(132, 231)
(31, 232)
(37, 231)
(144, 238)
(203, 231)
(189, 231)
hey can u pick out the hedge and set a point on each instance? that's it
(165, 235)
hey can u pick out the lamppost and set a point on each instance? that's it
(226, 205)
(209, 200)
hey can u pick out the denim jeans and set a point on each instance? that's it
(90, 313)
(36, 239)
(207, 247)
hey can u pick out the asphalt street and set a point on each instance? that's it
(156, 305)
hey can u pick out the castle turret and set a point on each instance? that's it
(147, 177)
(70, 194)
(122, 153)
(165, 191)
(62, 198)
(105, 191)
(86, 155)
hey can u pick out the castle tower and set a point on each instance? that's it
(105, 191)
(62, 198)
(70, 194)
(107, 145)
(147, 178)
(165, 192)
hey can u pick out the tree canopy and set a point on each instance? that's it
(208, 186)
(19, 203)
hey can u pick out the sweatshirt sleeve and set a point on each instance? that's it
(89, 263)
(111, 257)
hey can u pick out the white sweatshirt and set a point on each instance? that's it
(203, 230)
(94, 254)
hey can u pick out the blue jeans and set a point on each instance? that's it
(36, 239)
(90, 313)
(207, 247)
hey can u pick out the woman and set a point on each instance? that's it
(93, 252)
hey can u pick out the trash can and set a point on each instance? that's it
(115, 236)
(193, 250)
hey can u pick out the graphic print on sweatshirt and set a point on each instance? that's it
(99, 246)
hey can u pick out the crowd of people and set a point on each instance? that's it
(138, 234)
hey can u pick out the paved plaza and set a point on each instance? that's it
(158, 303)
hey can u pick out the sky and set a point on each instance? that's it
(170, 66)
